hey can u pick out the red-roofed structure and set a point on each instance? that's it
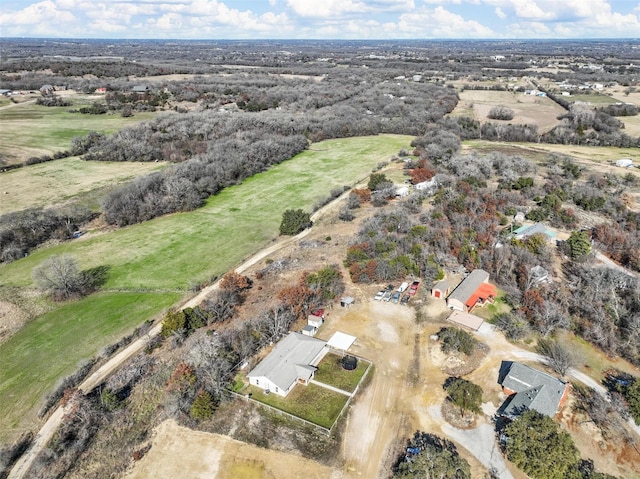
(485, 292)
(474, 290)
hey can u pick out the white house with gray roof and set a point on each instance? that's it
(529, 388)
(294, 360)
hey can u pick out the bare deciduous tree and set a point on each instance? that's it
(60, 277)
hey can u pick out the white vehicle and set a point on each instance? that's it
(379, 295)
(403, 287)
(387, 295)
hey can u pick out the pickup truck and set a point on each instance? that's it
(414, 288)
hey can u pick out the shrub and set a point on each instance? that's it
(454, 339)
(294, 221)
(500, 113)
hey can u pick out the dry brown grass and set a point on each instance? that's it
(531, 110)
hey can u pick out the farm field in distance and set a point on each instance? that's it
(528, 109)
(54, 182)
(27, 129)
(167, 254)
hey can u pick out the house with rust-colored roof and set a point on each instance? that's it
(474, 290)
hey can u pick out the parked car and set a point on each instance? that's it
(405, 299)
(403, 287)
(414, 287)
(389, 287)
(396, 297)
(387, 296)
(379, 295)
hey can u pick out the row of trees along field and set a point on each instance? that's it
(203, 348)
(213, 150)
(467, 217)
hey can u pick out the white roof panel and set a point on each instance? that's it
(341, 341)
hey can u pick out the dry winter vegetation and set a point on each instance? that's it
(219, 174)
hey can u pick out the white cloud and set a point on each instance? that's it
(44, 13)
(326, 8)
(500, 13)
(441, 23)
(169, 21)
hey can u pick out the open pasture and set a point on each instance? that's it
(51, 347)
(530, 110)
(28, 130)
(605, 155)
(171, 251)
(54, 182)
(166, 255)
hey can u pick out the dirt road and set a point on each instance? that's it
(97, 377)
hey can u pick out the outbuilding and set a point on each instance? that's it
(624, 163)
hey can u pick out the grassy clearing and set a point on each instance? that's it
(498, 306)
(330, 371)
(314, 403)
(52, 346)
(591, 359)
(166, 254)
(530, 110)
(170, 252)
(33, 130)
(541, 151)
(596, 99)
(54, 182)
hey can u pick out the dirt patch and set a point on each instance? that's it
(452, 415)
(180, 452)
(12, 318)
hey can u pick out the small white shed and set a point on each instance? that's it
(624, 163)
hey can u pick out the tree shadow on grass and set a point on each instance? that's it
(96, 277)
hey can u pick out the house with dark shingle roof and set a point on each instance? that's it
(528, 388)
(474, 290)
(294, 360)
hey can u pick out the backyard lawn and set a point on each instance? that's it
(330, 371)
(314, 403)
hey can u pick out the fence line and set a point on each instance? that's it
(283, 413)
(322, 429)
(366, 372)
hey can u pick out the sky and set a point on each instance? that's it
(321, 19)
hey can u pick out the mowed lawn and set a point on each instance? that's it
(54, 182)
(164, 256)
(51, 347)
(313, 403)
(28, 129)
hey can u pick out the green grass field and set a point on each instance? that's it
(314, 403)
(57, 181)
(596, 99)
(29, 130)
(167, 254)
(51, 347)
(170, 252)
(330, 371)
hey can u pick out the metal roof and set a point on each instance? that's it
(289, 360)
(469, 285)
